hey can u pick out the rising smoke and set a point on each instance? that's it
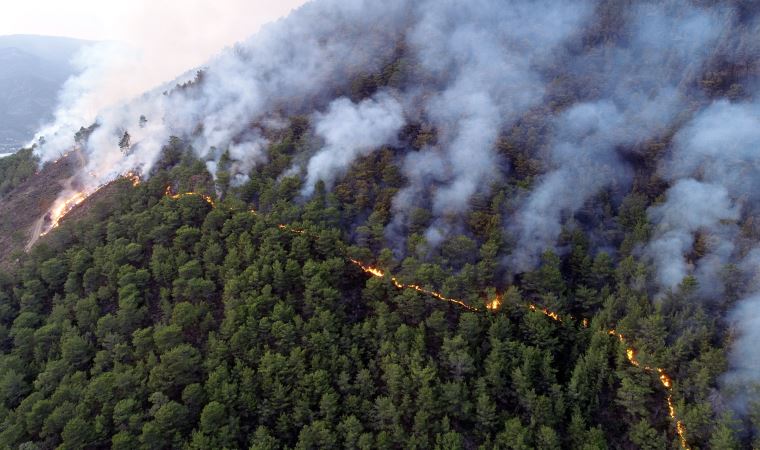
(150, 43)
(487, 56)
(350, 131)
(287, 63)
(640, 87)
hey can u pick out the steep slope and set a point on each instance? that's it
(498, 370)
(175, 321)
(23, 209)
(582, 183)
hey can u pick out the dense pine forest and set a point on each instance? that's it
(160, 322)
(354, 265)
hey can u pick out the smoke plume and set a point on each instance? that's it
(152, 43)
(350, 131)
(285, 64)
(691, 206)
(639, 93)
(486, 56)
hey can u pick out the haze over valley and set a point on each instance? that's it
(33, 70)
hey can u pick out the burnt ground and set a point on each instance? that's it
(21, 209)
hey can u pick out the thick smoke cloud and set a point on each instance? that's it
(639, 96)
(480, 59)
(351, 130)
(745, 358)
(718, 146)
(83, 96)
(691, 206)
(148, 44)
(486, 55)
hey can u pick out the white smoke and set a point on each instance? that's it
(246, 156)
(719, 146)
(639, 90)
(744, 358)
(287, 62)
(84, 95)
(691, 206)
(351, 130)
(486, 55)
(151, 43)
(480, 66)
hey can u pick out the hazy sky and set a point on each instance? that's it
(120, 19)
(164, 38)
(167, 37)
(172, 34)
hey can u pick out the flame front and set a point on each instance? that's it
(282, 226)
(545, 311)
(680, 427)
(134, 177)
(495, 304)
(378, 273)
(631, 355)
(169, 193)
(665, 381)
(65, 205)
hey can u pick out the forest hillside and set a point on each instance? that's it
(488, 224)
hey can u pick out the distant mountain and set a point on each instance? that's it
(32, 70)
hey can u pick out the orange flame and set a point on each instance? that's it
(494, 304)
(680, 427)
(612, 332)
(666, 383)
(282, 226)
(665, 379)
(169, 193)
(631, 355)
(545, 311)
(134, 177)
(378, 273)
(64, 206)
